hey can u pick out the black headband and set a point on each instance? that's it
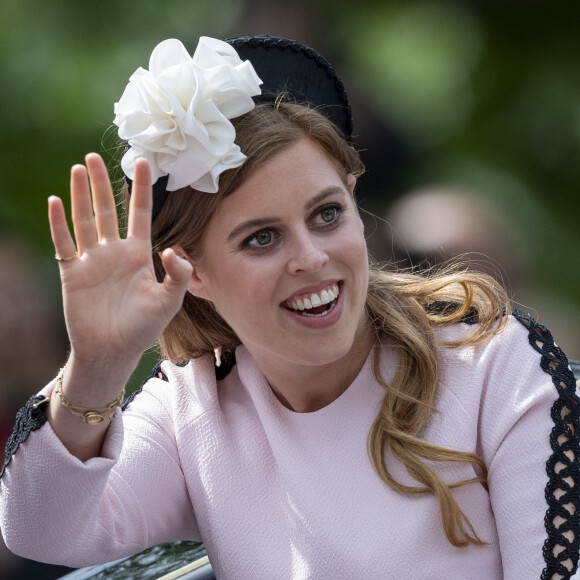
(289, 67)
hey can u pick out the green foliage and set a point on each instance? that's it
(62, 66)
(485, 95)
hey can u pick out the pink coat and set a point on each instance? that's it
(278, 494)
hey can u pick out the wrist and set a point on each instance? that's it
(92, 385)
(91, 416)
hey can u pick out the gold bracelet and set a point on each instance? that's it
(90, 416)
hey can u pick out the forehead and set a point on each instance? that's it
(300, 170)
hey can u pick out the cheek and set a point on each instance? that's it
(356, 258)
(248, 314)
(242, 292)
(353, 247)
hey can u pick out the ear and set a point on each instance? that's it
(197, 285)
(351, 182)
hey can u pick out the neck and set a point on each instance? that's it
(308, 388)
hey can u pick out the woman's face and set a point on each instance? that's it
(285, 263)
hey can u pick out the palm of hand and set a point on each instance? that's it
(114, 306)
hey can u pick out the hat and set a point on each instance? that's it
(290, 68)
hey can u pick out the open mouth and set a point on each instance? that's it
(315, 305)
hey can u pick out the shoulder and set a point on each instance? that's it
(515, 394)
(520, 371)
(521, 339)
(520, 362)
(188, 388)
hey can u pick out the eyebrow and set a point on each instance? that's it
(257, 223)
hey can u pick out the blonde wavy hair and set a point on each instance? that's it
(399, 305)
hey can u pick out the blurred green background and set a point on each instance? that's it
(481, 97)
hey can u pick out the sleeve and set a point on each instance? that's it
(56, 509)
(529, 433)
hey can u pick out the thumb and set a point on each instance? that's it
(178, 272)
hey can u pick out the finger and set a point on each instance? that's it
(82, 209)
(103, 199)
(178, 273)
(141, 203)
(64, 245)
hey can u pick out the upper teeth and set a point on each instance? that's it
(325, 297)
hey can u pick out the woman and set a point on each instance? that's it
(316, 417)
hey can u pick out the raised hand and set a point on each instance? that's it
(114, 307)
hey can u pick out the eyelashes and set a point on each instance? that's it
(325, 218)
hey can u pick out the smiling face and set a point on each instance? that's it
(285, 264)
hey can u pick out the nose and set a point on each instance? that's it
(307, 254)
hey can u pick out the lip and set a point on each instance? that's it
(318, 322)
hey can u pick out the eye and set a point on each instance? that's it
(260, 240)
(329, 215)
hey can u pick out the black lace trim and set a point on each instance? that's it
(448, 308)
(29, 418)
(563, 467)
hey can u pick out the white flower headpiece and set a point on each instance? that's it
(176, 114)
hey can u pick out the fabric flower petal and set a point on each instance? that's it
(177, 114)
